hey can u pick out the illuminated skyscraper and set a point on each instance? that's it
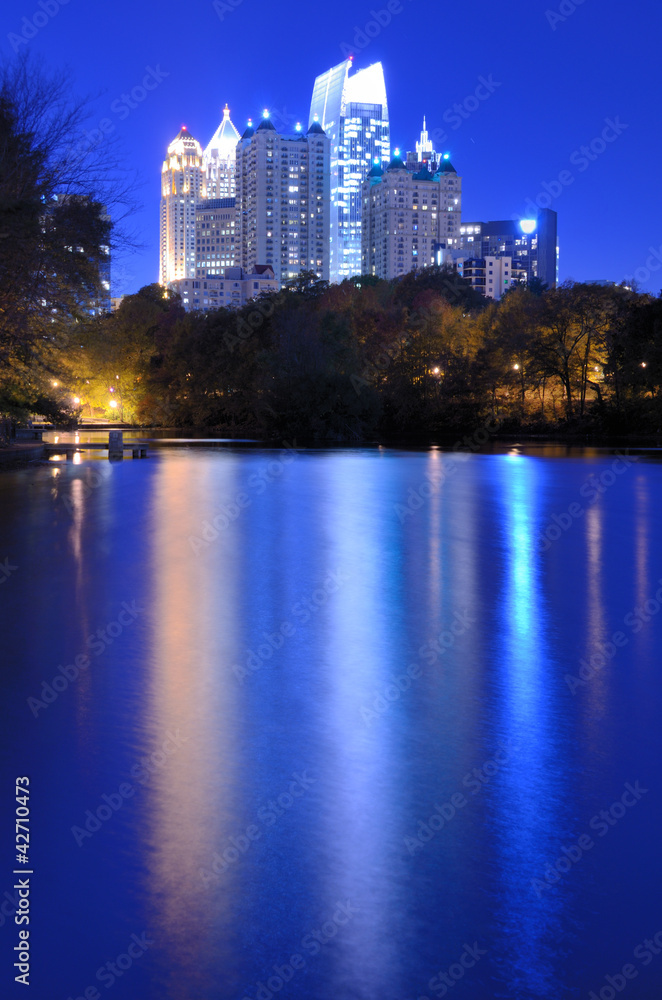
(353, 112)
(182, 187)
(220, 158)
(283, 200)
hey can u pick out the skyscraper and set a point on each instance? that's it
(182, 186)
(219, 159)
(409, 218)
(353, 111)
(283, 200)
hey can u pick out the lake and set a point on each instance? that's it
(336, 725)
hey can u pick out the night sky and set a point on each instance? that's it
(556, 79)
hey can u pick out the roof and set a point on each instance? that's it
(316, 129)
(266, 125)
(446, 167)
(184, 143)
(224, 140)
(249, 130)
(396, 163)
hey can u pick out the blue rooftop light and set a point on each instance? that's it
(447, 156)
(265, 113)
(298, 126)
(528, 226)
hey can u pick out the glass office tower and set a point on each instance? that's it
(353, 112)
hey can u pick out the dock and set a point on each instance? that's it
(115, 447)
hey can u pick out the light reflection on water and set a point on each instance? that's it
(270, 648)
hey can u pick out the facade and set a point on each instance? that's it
(215, 227)
(182, 186)
(283, 201)
(232, 291)
(353, 111)
(408, 218)
(531, 244)
(220, 158)
(492, 276)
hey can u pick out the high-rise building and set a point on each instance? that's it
(408, 218)
(219, 159)
(353, 111)
(182, 186)
(283, 200)
(530, 243)
(215, 240)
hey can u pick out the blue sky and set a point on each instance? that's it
(558, 73)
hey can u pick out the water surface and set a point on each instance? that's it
(333, 722)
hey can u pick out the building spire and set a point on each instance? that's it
(424, 148)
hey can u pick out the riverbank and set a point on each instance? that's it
(21, 453)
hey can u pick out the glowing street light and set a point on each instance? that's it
(435, 371)
(76, 400)
(113, 404)
(55, 384)
(516, 367)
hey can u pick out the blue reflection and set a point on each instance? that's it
(524, 804)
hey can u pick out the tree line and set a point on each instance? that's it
(424, 356)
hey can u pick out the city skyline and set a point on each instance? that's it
(508, 100)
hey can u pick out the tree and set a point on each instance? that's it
(56, 193)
